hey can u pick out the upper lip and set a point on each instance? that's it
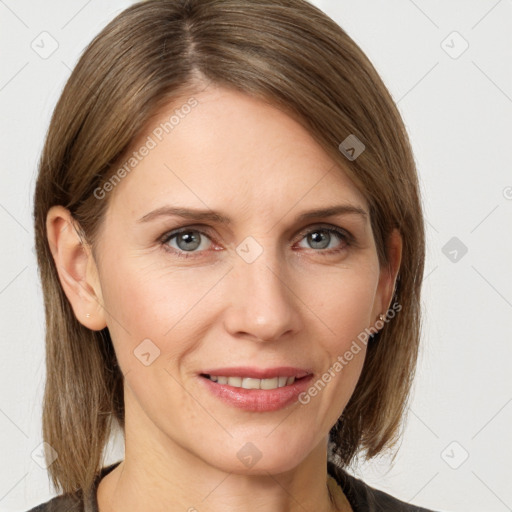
(258, 373)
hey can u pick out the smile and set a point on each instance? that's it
(252, 383)
(265, 394)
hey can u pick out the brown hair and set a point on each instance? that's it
(287, 53)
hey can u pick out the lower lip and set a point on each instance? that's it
(258, 400)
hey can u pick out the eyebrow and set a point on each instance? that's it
(213, 216)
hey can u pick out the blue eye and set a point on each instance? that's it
(187, 241)
(321, 238)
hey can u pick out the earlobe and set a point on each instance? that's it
(76, 268)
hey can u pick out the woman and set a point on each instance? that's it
(231, 246)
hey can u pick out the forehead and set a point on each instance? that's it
(223, 149)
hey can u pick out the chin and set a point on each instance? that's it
(261, 456)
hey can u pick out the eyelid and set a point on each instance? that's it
(202, 228)
(206, 230)
(329, 227)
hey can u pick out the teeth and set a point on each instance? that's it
(247, 382)
(250, 383)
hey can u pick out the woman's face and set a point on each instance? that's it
(254, 286)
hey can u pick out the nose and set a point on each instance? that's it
(263, 306)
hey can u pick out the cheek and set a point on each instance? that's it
(344, 311)
(343, 301)
(165, 306)
(151, 324)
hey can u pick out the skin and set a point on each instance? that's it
(295, 305)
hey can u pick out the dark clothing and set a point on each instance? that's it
(361, 496)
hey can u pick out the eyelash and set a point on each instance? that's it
(347, 239)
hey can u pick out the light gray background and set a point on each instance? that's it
(458, 112)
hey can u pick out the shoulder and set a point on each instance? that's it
(63, 503)
(364, 498)
(75, 502)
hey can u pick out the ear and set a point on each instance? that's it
(388, 275)
(76, 267)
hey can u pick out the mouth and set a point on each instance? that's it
(257, 390)
(256, 378)
(253, 383)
